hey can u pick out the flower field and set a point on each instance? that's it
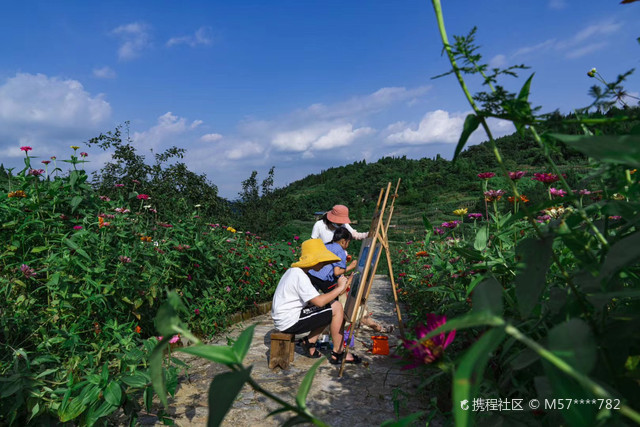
(82, 276)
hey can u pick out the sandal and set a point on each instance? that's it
(336, 358)
(307, 346)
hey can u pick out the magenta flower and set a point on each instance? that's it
(26, 148)
(296, 238)
(615, 217)
(451, 224)
(546, 178)
(27, 271)
(77, 227)
(516, 175)
(486, 175)
(196, 311)
(425, 351)
(557, 192)
(53, 157)
(438, 230)
(124, 259)
(584, 192)
(493, 195)
(46, 162)
(143, 197)
(36, 172)
(119, 185)
(83, 154)
(475, 216)
(228, 289)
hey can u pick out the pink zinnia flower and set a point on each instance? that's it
(26, 148)
(27, 271)
(53, 157)
(77, 227)
(493, 195)
(427, 351)
(516, 175)
(124, 259)
(46, 162)
(36, 172)
(475, 216)
(486, 175)
(452, 224)
(143, 197)
(546, 178)
(557, 192)
(228, 289)
(119, 185)
(296, 238)
(104, 198)
(584, 192)
(437, 230)
(83, 154)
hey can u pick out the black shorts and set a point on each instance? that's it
(311, 317)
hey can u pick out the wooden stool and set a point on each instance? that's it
(282, 349)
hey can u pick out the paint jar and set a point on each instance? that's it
(380, 345)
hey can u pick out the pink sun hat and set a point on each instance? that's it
(339, 214)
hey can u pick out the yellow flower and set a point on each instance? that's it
(231, 229)
(460, 212)
(17, 193)
(75, 147)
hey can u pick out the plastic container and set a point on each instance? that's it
(380, 345)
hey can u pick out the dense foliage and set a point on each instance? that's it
(82, 274)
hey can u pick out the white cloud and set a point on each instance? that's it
(200, 37)
(47, 113)
(38, 100)
(585, 41)
(435, 127)
(557, 4)
(211, 137)
(244, 150)
(167, 128)
(134, 38)
(367, 104)
(320, 136)
(104, 73)
(498, 61)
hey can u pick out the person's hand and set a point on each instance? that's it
(342, 284)
(353, 265)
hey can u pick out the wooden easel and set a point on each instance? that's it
(377, 240)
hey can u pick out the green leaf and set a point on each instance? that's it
(426, 222)
(305, 385)
(470, 372)
(617, 149)
(480, 243)
(534, 257)
(136, 380)
(567, 388)
(222, 393)
(73, 245)
(526, 88)
(573, 342)
(470, 320)
(623, 253)
(39, 249)
(215, 353)
(75, 201)
(407, 421)
(167, 319)
(487, 297)
(72, 410)
(113, 393)
(242, 344)
(155, 369)
(471, 123)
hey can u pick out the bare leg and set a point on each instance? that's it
(313, 337)
(337, 328)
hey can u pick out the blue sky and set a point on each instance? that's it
(299, 85)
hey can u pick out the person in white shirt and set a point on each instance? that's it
(298, 307)
(337, 217)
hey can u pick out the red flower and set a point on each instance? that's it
(143, 197)
(26, 148)
(486, 175)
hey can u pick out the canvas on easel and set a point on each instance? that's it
(368, 262)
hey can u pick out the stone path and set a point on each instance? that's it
(363, 396)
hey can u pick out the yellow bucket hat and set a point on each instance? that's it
(313, 253)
